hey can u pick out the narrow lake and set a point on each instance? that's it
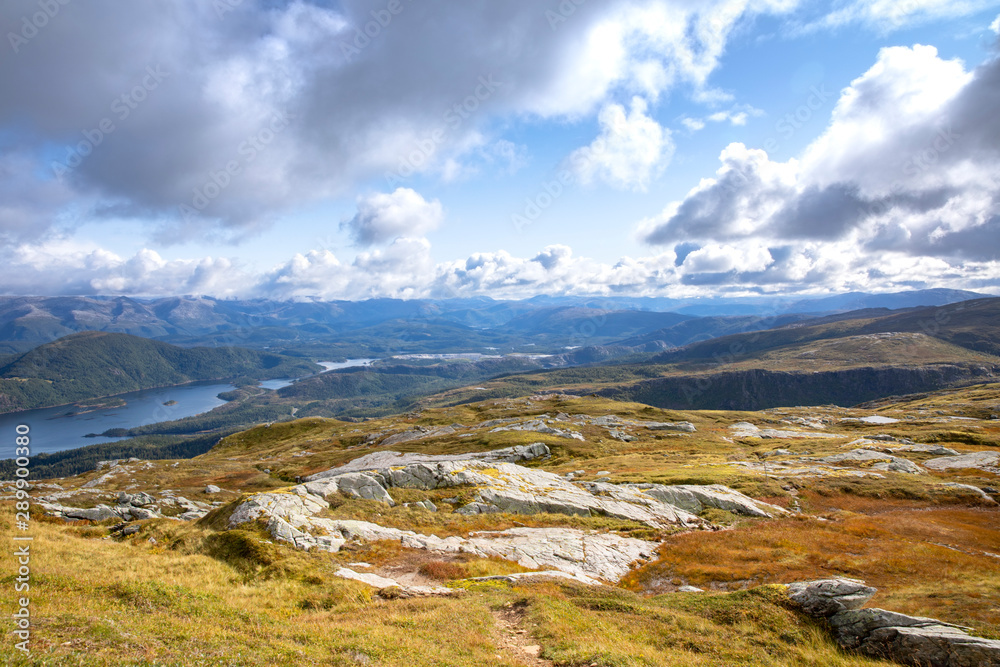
(57, 429)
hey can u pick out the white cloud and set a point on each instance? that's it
(404, 269)
(723, 258)
(68, 267)
(995, 26)
(383, 217)
(888, 15)
(631, 150)
(414, 98)
(905, 175)
(693, 124)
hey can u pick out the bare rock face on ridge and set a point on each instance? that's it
(292, 515)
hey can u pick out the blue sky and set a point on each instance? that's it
(642, 147)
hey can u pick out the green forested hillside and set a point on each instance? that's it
(94, 364)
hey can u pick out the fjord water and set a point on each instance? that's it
(58, 429)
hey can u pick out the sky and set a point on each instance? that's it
(508, 148)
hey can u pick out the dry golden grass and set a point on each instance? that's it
(915, 556)
(201, 595)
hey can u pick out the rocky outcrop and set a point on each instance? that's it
(696, 498)
(913, 640)
(603, 556)
(292, 515)
(501, 486)
(681, 427)
(380, 582)
(379, 460)
(910, 640)
(826, 597)
(988, 461)
(879, 444)
(539, 426)
(875, 461)
(99, 513)
(418, 433)
(748, 430)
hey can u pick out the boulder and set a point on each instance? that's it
(99, 513)
(825, 597)
(353, 485)
(141, 513)
(912, 640)
(141, 499)
(212, 488)
(292, 507)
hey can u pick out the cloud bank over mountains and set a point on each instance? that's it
(221, 120)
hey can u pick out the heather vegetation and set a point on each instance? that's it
(204, 591)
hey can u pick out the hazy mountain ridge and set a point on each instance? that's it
(29, 321)
(973, 324)
(845, 361)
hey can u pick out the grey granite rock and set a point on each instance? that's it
(696, 498)
(99, 513)
(539, 426)
(876, 461)
(912, 640)
(988, 461)
(682, 427)
(825, 597)
(909, 640)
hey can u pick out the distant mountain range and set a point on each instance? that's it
(420, 325)
(845, 359)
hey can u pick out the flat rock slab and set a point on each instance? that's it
(875, 461)
(748, 430)
(988, 461)
(596, 556)
(695, 498)
(379, 582)
(380, 460)
(501, 486)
